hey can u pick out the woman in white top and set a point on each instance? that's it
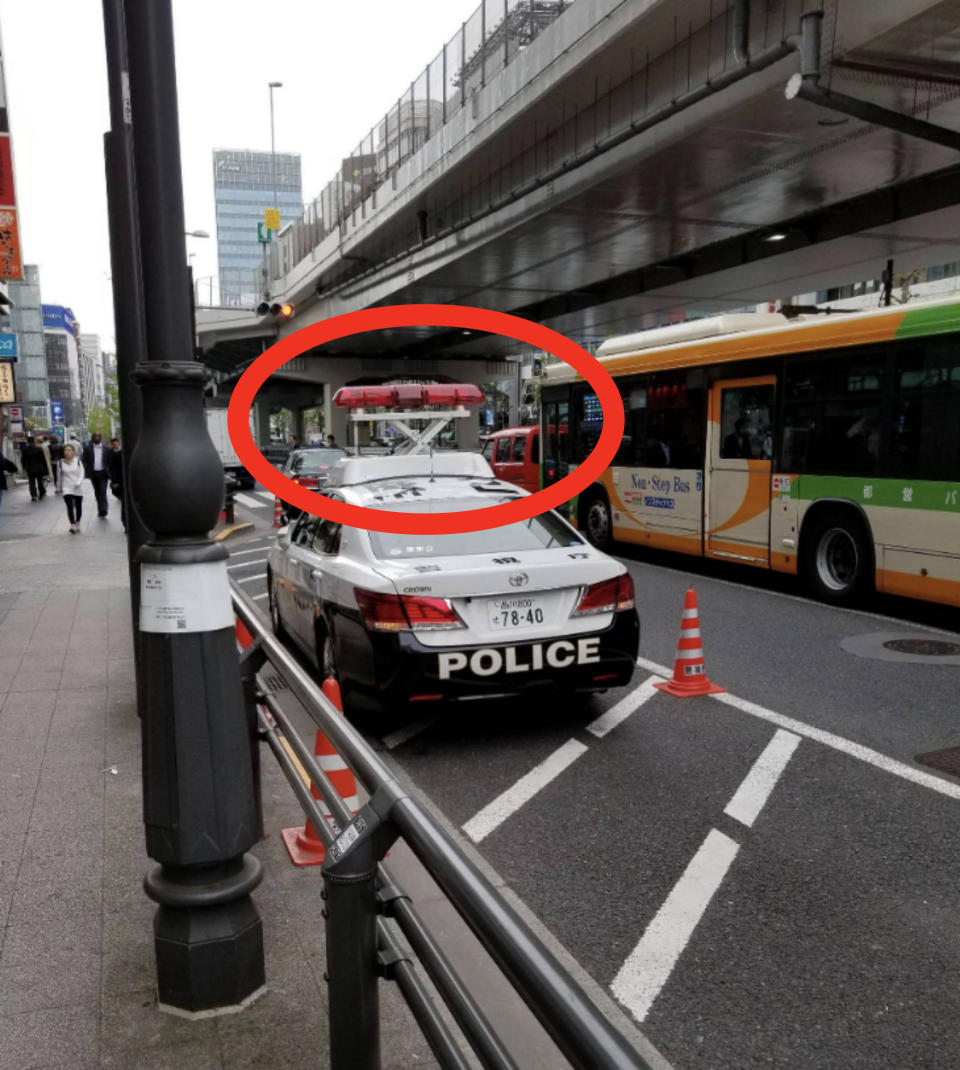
(71, 483)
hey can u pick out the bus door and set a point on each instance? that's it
(739, 455)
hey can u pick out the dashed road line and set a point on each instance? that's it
(753, 793)
(495, 813)
(250, 579)
(257, 597)
(247, 564)
(649, 966)
(255, 550)
(249, 500)
(617, 714)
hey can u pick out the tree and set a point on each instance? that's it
(106, 418)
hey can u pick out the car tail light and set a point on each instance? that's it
(308, 481)
(608, 596)
(398, 613)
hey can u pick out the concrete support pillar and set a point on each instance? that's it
(334, 419)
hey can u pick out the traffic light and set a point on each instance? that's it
(281, 312)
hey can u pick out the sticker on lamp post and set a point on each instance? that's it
(180, 599)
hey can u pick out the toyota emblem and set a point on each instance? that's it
(521, 579)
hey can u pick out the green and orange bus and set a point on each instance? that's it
(827, 446)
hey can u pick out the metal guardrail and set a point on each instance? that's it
(360, 893)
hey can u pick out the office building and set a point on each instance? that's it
(25, 322)
(63, 362)
(92, 381)
(244, 182)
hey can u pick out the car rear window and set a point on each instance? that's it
(314, 462)
(537, 533)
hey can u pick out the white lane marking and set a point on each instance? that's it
(256, 550)
(247, 564)
(394, 739)
(828, 739)
(648, 968)
(248, 500)
(750, 798)
(250, 579)
(609, 720)
(652, 666)
(265, 496)
(510, 801)
(257, 597)
(845, 746)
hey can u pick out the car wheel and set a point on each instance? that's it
(837, 558)
(276, 620)
(598, 526)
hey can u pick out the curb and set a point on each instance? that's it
(234, 529)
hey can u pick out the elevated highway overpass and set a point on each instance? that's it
(636, 162)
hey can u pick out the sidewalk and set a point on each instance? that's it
(77, 986)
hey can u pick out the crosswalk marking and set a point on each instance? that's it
(249, 500)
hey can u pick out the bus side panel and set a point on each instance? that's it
(661, 508)
(785, 516)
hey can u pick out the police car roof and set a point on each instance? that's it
(399, 492)
(353, 470)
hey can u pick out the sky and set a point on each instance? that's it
(342, 66)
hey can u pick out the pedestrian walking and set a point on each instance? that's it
(115, 468)
(5, 466)
(55, 447)
(94, 458)
(36, 466)
(72, 476)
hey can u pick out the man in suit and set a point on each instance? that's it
(36, 466)
(96, 468)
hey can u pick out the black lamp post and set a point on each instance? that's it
(199, 806)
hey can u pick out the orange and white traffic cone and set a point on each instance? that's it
(277, 513)
(304, 845)
(689, 671)
(242, 635)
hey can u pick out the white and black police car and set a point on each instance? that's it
(404, 620)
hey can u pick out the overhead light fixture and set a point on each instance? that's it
(777, 235)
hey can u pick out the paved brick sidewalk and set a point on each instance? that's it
(76, 953)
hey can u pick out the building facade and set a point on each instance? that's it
(245, 183)
(92, 379)
(25, 321)
(63, 362)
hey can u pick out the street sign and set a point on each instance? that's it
(8, 346)
(271, 218)
(8, 387)
(56, 412)
(264, 234)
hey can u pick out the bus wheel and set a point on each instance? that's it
(597, 524)
(837, 558)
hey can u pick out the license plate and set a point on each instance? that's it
(509, 613)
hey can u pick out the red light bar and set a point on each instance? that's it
(408, 395)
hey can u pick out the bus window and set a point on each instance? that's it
(746, 423)
(664, 424)
(833, 414)
(925, 437)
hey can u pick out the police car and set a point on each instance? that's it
(406, 621)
